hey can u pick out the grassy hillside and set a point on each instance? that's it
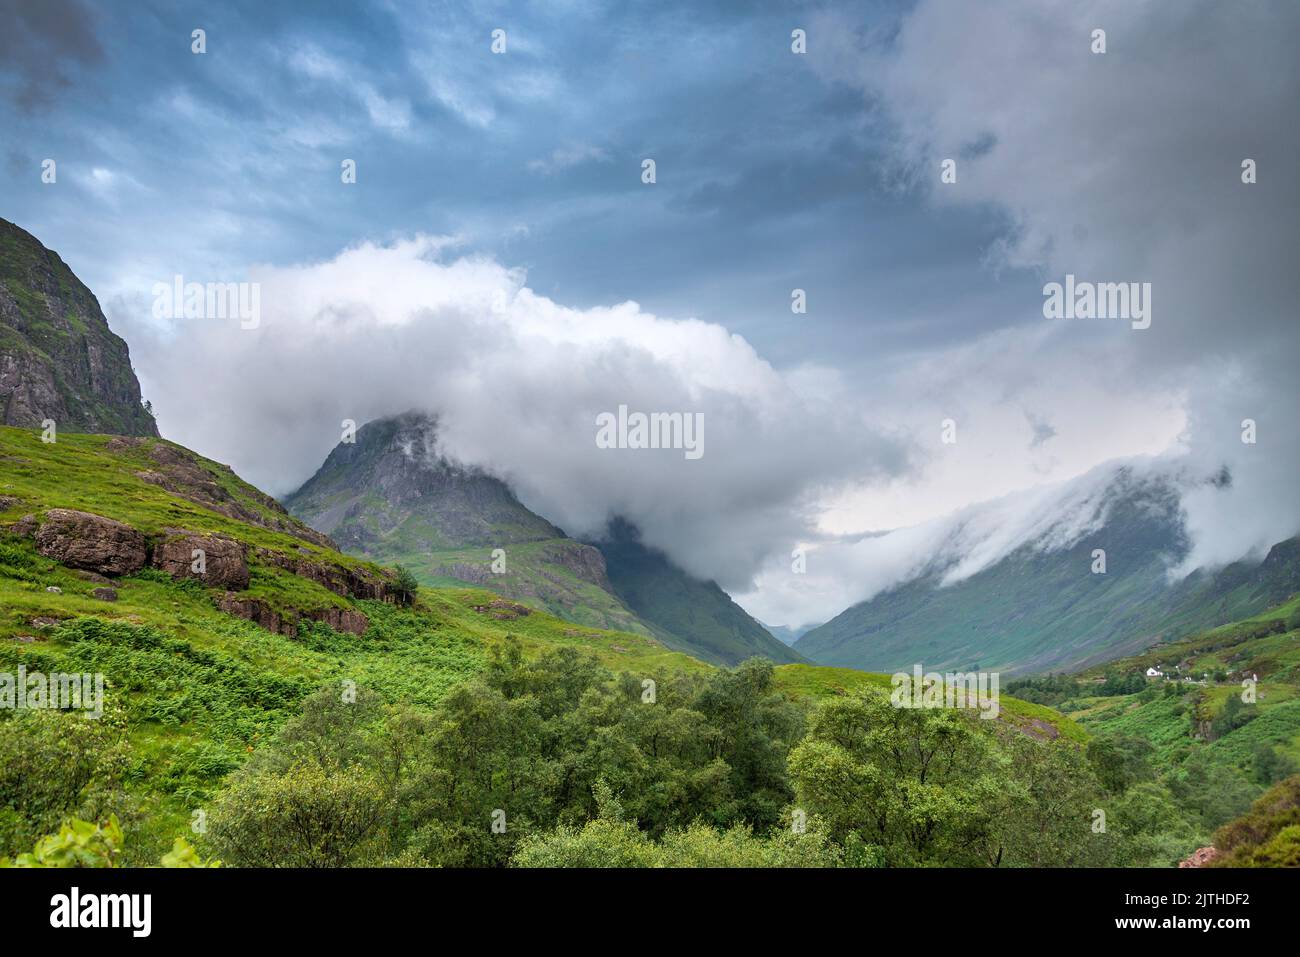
(1204, 752)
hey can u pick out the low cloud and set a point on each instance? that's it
(517, 382)
(1116, 167)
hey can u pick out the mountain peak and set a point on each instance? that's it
(59, 359)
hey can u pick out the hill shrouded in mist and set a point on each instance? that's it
(1046, 605)
(393, 497)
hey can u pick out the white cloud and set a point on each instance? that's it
(518, 381)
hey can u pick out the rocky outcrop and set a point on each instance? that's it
(340, 579)
(58, 358)
(1200, 857)
(343, 619)
(92, 542)
(25, 527)
(503, 609)
(582, 561)
(223, 562)
(260, 613)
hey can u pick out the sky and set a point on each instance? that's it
(500, 262)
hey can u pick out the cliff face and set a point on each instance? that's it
(58, 358)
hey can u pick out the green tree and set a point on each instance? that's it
(1121, 761)
(405, 585)
(310, 816)
(919, 783)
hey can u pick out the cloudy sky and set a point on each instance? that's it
(499, 260)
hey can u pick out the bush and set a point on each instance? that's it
(54, 764)
(310, 816)
(1268, 835)
(405, 586)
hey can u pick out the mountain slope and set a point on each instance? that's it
(1042, 608)
(685, 613)
(392, 497)
(58, 358)
(200, 670)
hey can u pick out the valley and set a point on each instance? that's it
(404, 666)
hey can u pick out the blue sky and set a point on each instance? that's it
(770, 175)
(775, 171)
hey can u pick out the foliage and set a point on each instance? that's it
(405, 586)
(1268, 835)
(54, 764)
(309, 816)
(77, 844)
(81, 843)
(931, 786)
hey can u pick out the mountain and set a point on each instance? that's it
(392, 497)
(1041, 608)
(686, 614)
(786, 634)
(58, 358)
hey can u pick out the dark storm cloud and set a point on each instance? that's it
(43, 44)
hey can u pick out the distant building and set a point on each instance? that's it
(1154, 673)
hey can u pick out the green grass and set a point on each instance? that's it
(532, 576)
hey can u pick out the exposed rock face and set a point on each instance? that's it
(25, 527)
(104, 594)
(92, 542)
(341, 580)
(58, 358)
(225, 564)
(1200, 857)
(258, 612)
(344, 619)
(255, 611)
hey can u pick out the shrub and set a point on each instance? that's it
(405, 586)
(310, 816)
